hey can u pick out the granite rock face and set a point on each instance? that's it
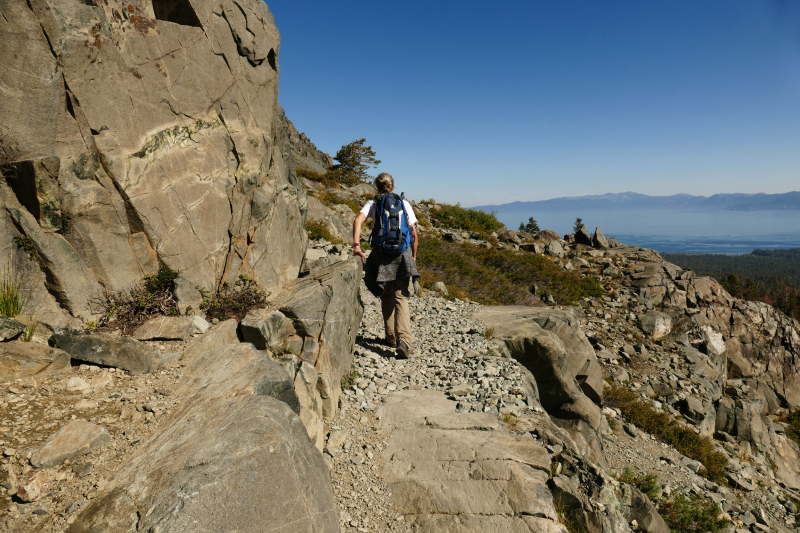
(140, 135)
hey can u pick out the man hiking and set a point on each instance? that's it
(392, 263)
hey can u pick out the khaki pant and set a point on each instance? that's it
(396, 318)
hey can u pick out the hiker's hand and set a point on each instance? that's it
(359, 252)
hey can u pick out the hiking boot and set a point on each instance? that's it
(390, 344)
(402, 349)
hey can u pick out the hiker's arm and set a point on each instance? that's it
(360, 218)
(414, 242)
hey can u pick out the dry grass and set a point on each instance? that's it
(660, 424)
(127, 310)
(499, 277)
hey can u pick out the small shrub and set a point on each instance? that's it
(91, 325)
(457, 217)
(646, 483)
(611, 423)
(13, 295)
(127, 310)
(687, 514)
(488, 333)
(317, 230)
(234, 301)
(348, 379)
(26, 244)
(660, 424)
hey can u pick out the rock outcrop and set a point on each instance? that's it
(551, 345)
(236, 439)
(305, 154)
(150, 135)
(311, 331)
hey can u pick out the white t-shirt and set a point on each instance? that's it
(369, 211)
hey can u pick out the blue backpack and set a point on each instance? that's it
(391, 233)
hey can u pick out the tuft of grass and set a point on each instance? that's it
(30, 329)
(499, 277)
(646, 483)
(660, 424)
(488, 333)
(318, 230)
(348, 379)
(573, 520)
(687, 514)
(234, 301)
(511, 420)
(457, 217)
(13, 295)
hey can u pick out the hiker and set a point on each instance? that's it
(391, 266)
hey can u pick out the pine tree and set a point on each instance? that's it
(353, 160)
(578, 225)
(531, 227)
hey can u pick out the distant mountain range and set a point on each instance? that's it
(632, 200)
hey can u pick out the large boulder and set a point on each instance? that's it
(582, 236)
(141, 137)
(233, 456)
(551, 345)
(655, 324)
(598, 239)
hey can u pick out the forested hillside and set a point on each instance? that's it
(771, 276)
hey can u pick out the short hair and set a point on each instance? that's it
(384, 182)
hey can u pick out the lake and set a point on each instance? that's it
(677, 231)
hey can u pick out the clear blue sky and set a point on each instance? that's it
(479, 102)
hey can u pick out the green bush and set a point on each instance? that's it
(660, 424)
(499, 277)
(161, 281)
(687, 514)
(318, 230)
(457, 217)
(646, 483)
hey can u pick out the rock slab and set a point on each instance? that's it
(167, 328)
(19, 359)
(109, 350)
(77, 438)
(454, 472)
